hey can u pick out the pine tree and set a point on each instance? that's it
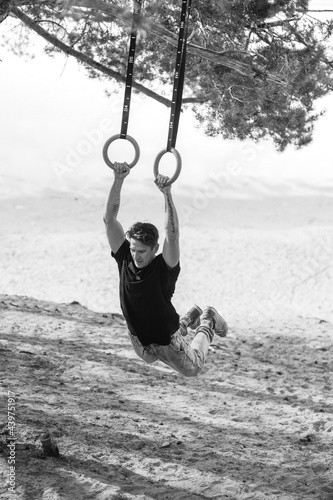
(255, 68)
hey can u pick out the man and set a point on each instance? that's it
(147, 284)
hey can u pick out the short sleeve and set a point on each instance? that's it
(169, 276)
(122, 252)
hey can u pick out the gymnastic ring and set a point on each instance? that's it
(114, 138)
(178, 166)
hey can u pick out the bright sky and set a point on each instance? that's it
(55, 122)
(321, 4)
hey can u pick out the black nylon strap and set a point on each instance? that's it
(137, 4)
(179, 76)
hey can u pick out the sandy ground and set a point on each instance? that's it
(256, 424)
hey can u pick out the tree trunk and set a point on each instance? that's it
(91, 62)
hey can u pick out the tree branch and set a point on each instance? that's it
(5, 7)
(273, 24)
(252, 70)
(91, 62)
(301, 40)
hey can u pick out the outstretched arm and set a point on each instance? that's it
(114, 229)
(171, 251)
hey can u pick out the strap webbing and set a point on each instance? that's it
(137, 4)
(179, 76)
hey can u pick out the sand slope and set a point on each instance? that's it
(257, 424)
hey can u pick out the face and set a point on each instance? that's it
(142, 254)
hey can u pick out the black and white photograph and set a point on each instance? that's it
(166, 250)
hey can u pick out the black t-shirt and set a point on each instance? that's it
(145, 297)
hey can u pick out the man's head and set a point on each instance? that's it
(143, 238)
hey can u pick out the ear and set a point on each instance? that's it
(157, 246)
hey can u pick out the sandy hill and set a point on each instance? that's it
(257, 424)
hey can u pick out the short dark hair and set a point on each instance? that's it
(145, 232)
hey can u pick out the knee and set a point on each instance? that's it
(192, 371)
(149, 361)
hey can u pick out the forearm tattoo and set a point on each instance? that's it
(115, 208)
(171, 214)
